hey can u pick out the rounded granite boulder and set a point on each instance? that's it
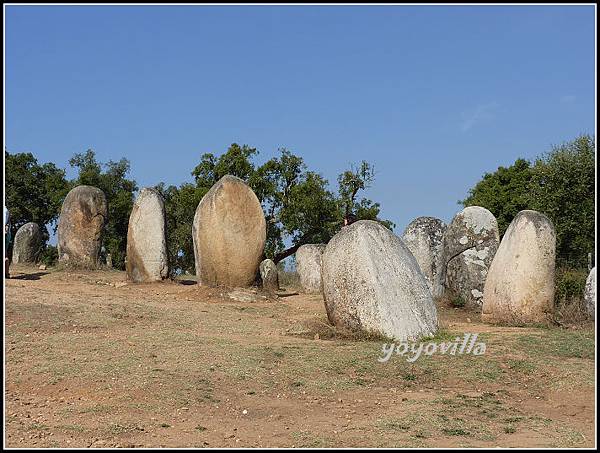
(424, 237)
(28, 243)
(81, 225)
(470, 243)
(147, 258)
(520, 283)
(308, 266)
(372, 283)
(229, 234)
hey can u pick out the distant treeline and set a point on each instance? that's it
(560, 184)
(298, 204)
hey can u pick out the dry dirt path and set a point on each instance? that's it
(92, 361)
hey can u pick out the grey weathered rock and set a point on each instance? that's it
(229, 233)
(372, 282)
(28, 243)
(147, 259)
(81, 225)
(269, 275)
(589, 295)
(520, 284)
(424, 237)
(308, 266)
(470, 243)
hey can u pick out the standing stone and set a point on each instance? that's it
(308, 266)
(589, 295)
(470, 243)
(372, 283)
(269, 276)
(80, 226)
(147, 259)
(424, 237)
(28, 243)
(520, 283)
(229, 234)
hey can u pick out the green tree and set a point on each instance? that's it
(563, 187)
(34, 192)
(560, 184)
(180, 206)
(236, 161)
(350, 183)
(504, 193)
(299, 208)
(112, 179)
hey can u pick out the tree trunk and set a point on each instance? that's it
(283, 255)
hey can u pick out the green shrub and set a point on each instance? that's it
(559, 184)
(49, 255)
(458, 301)
(569, 285)
(568, 296)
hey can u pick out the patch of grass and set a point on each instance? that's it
(560, 343)
(393, 424)
(199, 390)
(422, 434)
(325, 331)
(39, 427)
(510, 429)
(522, 366)
(487, 371)
(305, 439)
(455, 432)
(457, 426)
(513, 419)
(360, 381)
(442, 335)
(200, 428)
(117, 428)
(479, 410)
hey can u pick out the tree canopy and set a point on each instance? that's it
(563, 187)
(504, 192)
(111, 178)
(560, 184)
(298, 203)
(34, 192)
(299, 207)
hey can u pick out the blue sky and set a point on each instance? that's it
(433, 96)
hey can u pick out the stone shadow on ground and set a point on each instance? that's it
(34, 276)
(187, 282)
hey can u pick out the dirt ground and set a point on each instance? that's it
(93, 362)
